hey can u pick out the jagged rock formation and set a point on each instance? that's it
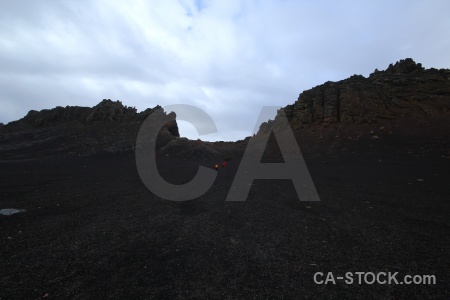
(404, 110)
(405, 89)
(108, 127)
(106, 110)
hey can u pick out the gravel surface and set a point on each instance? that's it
(91, 230)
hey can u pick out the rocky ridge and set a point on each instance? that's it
(404, 109)
(402, 105)
(404, 89)
(109, 127)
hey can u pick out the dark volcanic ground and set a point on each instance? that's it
(92, 230)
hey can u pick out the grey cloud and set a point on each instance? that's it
(227, 57)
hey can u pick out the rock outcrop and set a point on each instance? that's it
(404, 110)
(105, 111)
(108, 127)
(405, 89)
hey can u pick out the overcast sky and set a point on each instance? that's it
(227, 57)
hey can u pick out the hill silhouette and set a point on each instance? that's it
(406, 101)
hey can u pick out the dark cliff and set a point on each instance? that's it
(403, 110)
(405, 89)
(108, 127)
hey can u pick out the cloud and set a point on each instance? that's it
(229, 58)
